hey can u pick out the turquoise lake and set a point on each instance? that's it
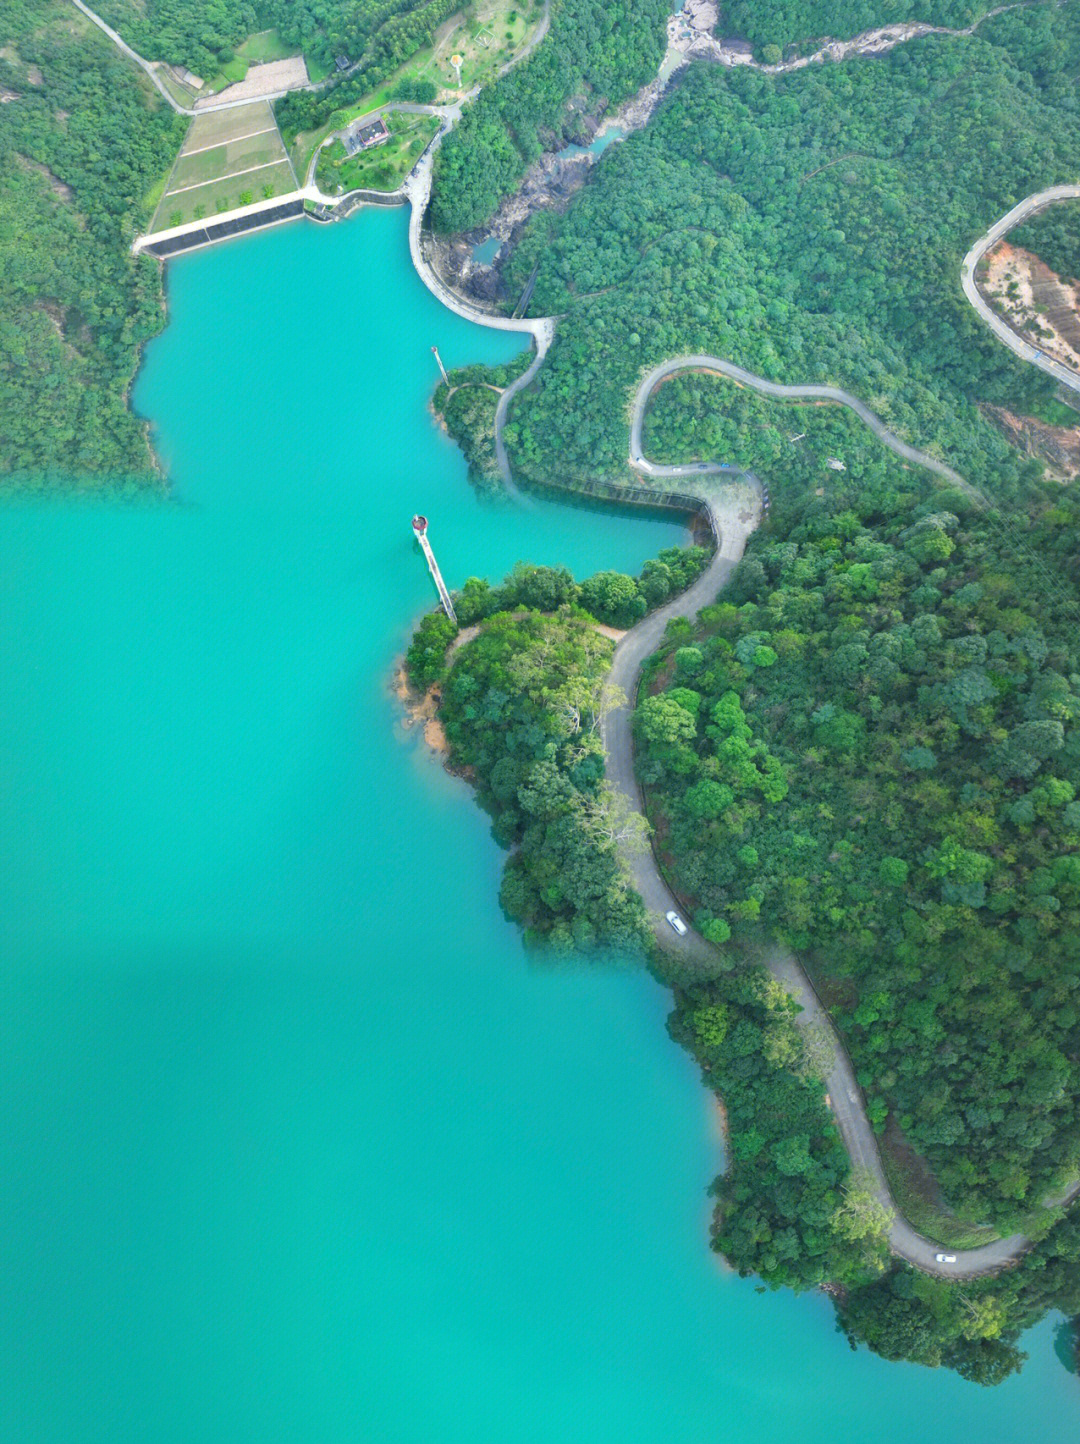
(298, 1143)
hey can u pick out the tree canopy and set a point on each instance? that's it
(81, 148)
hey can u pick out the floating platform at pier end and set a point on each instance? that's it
(419, 526)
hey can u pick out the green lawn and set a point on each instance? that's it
(226, 156)
(206, 201)
(230, 74)
(382, 168)
(226, 160)
(266, 45)
(307, 142)
(225, 125)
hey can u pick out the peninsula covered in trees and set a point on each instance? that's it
(866, 749)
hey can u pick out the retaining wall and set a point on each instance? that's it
(221, 230)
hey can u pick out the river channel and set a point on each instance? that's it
(298, 1143)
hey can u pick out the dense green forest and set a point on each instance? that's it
(521, 704)
(790, 1210)
(879, 765)
(1054, 236)
(380, 35)
(200, 34)
(883, 774)
(793, 22)
(788, 1207)
(521, 708)
(80, 148)
(810, 227)
(595, 50)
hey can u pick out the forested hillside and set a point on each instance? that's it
(789, 22)
(880, 769)
(790, 1210)
(204, 34)
(869, 752)
(595, 50)
(1054, 236)
(377, 36)
(792, 826)
(809, 227)
(200, 34)
(81, 146)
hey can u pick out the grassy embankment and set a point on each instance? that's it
(258, 49)
(229, 159)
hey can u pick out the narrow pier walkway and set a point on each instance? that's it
(420, 528)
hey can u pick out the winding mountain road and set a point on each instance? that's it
(733, 506)
(1000, 328)
(809, 392)
(734, 510)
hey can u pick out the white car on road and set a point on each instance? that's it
(945, 1257)
(677, 923)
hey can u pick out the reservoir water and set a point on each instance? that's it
(298, 1143)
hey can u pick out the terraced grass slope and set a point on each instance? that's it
(229, 160)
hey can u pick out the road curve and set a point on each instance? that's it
(132, 55)
(1000, 328)
(734, 509)
(809, 392)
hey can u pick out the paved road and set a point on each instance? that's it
(734, 508)
(809, 392)
(208, 106)
(735, 511)
(1000, 328)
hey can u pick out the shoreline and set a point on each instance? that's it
(422, 709)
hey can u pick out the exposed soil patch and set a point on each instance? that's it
(835, 992)
(662, 679)
(423, 710)
(1057, 446)
(55, 314)
(720, 1128)
(261, 80)
(56, 185)
(1035, 301)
